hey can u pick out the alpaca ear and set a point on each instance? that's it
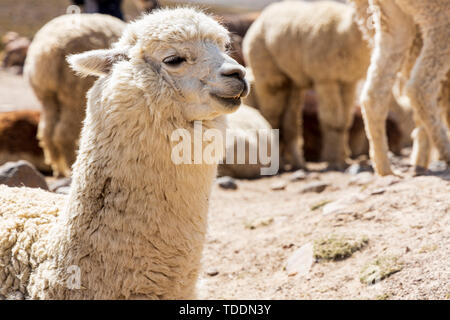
(95, 62)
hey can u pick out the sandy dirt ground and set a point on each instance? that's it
(15, 93)
(254, 230)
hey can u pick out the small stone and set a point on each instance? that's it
(227, 183)
(60, 183)
(386, 181)
(377, 192)
(298, 175)
(437, 166)
(22, 174)
(314, 187)
(63, 190)
(344, 205)
(279, 185)
(358, 168)
(212, 273)
(300, 262)
(362, 178)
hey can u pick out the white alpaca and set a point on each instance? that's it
(61, 92)
(294, 46)
(395, 31)
(134, 222)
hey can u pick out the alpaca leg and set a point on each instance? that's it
(394, 35)
(420, 155)
(49, 117)
(425, 85)
(66, 137)
(292, 129)
(334, 122)
(272, 89)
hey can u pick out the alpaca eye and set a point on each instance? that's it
(174, 60)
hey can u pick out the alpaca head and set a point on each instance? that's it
(182, 53)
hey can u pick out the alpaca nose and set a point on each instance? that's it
(233, 71)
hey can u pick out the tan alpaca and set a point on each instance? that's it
(62, 94)
(294, 46)
(134, 222)
(395, 30)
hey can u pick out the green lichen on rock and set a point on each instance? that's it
(380, 269)
(384, 296)
(338, 247)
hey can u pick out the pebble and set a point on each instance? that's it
(227, 183)
(362, 178)
(279, 185)
(212, 273)
(437, 166)
(314, 187)
(60, 183)
(344, 205)
(301, 260)
(298, 175)
(22, 174)
(358, 168)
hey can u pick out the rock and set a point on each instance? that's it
(212, 273)
(298, 175)
(9, 36)
(279, 185)
(60, 184)
(227, 183)
(344, 205)
(16, 52)
(437, 166)
(22, 174)
(377, 191)
(63, 190)
(386, 181)
(300, 262)
(314, 187)
(358, 168)
(362, 178)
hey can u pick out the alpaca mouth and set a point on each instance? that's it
(227, 101)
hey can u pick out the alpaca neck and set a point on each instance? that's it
(129, 203)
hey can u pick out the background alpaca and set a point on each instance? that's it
(62, 94)
(329, 55)
(395, 31)
(288, 85)
(131, 223)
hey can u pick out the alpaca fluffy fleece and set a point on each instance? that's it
(134, 222)
(60, 91)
